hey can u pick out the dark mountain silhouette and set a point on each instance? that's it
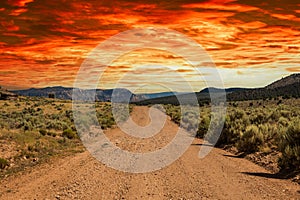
(60, 92)
(156, 95)
(216, 90)
(289, 80)
(286, 87)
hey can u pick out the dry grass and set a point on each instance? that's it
(38, 129)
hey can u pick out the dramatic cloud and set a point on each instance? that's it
(43, 43)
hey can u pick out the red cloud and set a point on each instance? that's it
(221, 6)
(286, 17)
(50, 39)
(20, 3)
(18, 11)
(10, 25)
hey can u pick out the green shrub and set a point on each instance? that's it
(268, 131)
(43, 132)
(235, 124)
(215, 127)
(289, 146)
(274, 116)
(258, 118)
(238, 114)
(230, 133)
(3, 163)
(203, 126)
(285, 113)
(69, 133)
(283, 121)
(190, 120)
(250, 140)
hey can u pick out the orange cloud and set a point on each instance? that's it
(221, 6)
(293, 69)
(44, 42)
(184, 70)
(18, 11)
(286, 17)
(20, 3)
(9, 25)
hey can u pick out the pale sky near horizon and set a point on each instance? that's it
(251, 42)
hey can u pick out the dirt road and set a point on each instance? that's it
(218, 176)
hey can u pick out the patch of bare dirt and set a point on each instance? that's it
(8, 149)
(265, 160)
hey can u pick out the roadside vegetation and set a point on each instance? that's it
(34, 129)
(267, 132)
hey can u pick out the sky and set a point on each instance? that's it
(251, 42)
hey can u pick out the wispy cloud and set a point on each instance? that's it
(44, 42)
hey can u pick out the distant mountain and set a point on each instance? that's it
(60, 92)
(286, 87)
(188, 98)
(217, 90)
(289, 80)
(57, 91)
(66, 93)
(156, 95)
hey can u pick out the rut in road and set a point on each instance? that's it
(216, 176)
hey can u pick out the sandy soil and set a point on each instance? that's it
(220, 175)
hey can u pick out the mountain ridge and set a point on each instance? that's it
(288, 87)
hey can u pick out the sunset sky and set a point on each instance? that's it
(252, 42)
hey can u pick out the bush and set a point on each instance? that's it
(203, 126)
(268, 131)
(283, 121)
(43, 132)
(258, 118)
(190, 120)
(274, 116)
(250, 140)
(3, 163)
(235, 124)
(229, 134)
(69, 133)
(289, 146)
(216, 126)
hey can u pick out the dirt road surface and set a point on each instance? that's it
(219, 175)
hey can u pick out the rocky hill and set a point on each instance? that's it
(286, 87)
(289, 80)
